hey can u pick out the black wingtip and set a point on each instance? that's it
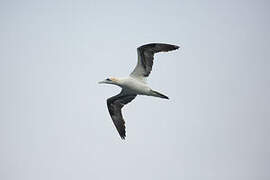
(123, 136)
(173, 47)
(169, 47)
(176, 47)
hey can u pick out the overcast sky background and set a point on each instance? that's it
(54, 123)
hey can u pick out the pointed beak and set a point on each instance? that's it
(101, 82)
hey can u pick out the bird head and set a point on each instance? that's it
(109, 81)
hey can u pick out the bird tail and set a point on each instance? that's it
(157, 94)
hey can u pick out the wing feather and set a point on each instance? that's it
(115, 105)
(146, 58)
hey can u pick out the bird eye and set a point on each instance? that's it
(108, 79)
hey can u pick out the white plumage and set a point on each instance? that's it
(135, 84)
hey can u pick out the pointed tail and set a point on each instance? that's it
(157, 94)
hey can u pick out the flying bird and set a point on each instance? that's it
(135, 84)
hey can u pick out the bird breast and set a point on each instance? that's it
(135, 86)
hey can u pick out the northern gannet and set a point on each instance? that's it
(135, 84)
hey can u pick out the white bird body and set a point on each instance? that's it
(135, 84)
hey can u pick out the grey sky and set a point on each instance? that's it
(54, 122)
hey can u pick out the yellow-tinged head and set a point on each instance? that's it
(111, 80)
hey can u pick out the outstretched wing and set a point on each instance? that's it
(146, 57)
(115, 105)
